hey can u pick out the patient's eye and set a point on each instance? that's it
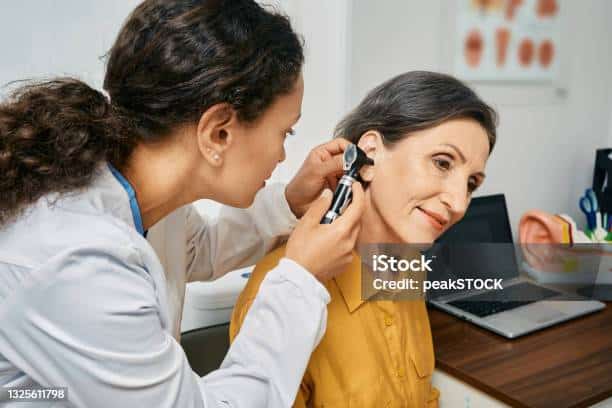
(442, 163)
(290, 132)
(473, 184)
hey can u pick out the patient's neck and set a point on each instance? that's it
(374, 229)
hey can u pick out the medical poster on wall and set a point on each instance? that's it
(508, 40)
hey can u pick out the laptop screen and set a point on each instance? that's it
(486, 220)
(478, 246)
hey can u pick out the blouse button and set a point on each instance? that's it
(400, 372)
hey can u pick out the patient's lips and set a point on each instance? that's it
(435, 219)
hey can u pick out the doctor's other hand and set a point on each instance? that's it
(325, 250)
(321, 169)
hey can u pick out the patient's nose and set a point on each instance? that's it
(456, 198)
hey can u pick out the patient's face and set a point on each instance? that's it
(423, 184)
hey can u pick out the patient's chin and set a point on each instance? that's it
(414, 235)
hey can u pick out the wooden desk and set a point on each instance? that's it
(568, 365)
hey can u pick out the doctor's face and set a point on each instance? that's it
(259, 147)
(423, 184)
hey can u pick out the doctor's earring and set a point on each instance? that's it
(216, 157)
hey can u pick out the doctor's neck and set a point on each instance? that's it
(162, 177)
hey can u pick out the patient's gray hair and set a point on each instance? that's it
(415, 101)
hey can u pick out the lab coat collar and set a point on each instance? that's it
(134, 207)
(108, 196)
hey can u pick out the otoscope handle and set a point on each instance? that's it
(342, 198)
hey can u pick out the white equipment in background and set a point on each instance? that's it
(211, 303)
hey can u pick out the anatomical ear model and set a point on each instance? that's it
(555, 251)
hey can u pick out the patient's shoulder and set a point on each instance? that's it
(244, 301)
(265, 265)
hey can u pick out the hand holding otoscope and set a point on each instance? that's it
(354, 158)
(326, 250)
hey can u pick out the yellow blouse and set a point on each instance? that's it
(373, 354)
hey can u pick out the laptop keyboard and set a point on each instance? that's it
(498, 301)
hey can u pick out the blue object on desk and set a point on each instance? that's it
(588, 205)
(593, 197)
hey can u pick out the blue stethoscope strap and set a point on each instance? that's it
(132, 197)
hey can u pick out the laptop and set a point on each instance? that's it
(522, 306)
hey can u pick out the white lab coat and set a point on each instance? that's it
(193, 248)
(85, 303)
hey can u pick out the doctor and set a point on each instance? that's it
(202, 96)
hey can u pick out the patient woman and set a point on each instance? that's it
(430, 137)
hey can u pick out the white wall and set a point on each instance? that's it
(610, 131)
(548, 132)
(610, 126)
(45, 38)
(547, 135)
(323, 25)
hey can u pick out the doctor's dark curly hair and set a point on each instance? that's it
(172, 60)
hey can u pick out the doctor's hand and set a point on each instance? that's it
(321, 169)
(325, 250)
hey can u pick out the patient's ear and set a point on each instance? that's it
(372, 144)
(539, 227)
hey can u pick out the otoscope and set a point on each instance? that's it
(353, 159)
